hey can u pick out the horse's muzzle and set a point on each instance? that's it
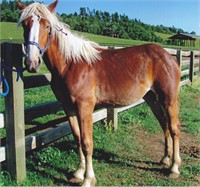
(33, 66)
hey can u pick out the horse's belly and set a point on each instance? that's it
(122, 97)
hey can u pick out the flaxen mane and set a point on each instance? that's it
(73, 47)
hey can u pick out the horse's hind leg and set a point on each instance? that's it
(172, 110)
(168, 97)
(155, 105)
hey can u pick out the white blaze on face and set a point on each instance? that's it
(32, 50)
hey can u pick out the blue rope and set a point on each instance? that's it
(4, 94)
(3, 79)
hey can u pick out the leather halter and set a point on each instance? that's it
(42, 50)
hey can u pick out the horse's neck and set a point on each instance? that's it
(55, 61)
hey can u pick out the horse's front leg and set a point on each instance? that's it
(78, 176)
(86, 128)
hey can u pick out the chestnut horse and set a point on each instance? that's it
(85, 76)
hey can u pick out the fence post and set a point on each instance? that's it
(179, 57)
(198, 55)
(14, 114)
(112, 117)
(191, 66)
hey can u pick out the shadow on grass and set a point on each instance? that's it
(115, 160)
(99, 155)
(56, 179)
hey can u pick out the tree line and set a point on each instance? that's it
(100, 23)
(113, 25)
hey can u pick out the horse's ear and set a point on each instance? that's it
(21, 5)
(52, 6)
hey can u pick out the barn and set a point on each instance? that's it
(183, 39)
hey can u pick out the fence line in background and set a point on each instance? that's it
(15, 114)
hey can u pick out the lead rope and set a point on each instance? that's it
(3, 78)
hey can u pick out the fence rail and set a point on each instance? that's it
(16, 116)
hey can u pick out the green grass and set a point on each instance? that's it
(10, 31)
(43, 95)
(109, 41)
(190, 107)
(163, 36)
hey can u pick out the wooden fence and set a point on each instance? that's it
(14, 149)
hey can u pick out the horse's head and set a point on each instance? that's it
(37, 34)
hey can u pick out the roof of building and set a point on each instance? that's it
(185, 36)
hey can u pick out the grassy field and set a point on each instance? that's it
(10, 32)
(129, 156)
(163, 36)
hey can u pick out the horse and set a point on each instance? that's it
(86, 76)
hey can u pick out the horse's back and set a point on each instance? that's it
(125, 75)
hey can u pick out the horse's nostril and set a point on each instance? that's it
(32, 66)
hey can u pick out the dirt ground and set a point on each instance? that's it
(189, 148)
(188, 144)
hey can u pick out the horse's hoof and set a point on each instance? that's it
(164, 166)
(166, 162)
(174, 175)
(89, 182)
(75, 180)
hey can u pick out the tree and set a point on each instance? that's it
(10, 11)
(194, 33)
(98, 15)
(180, 31)
(83, 13)
(106, 16)
(115, 17)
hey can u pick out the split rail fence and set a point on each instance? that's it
(13, 148)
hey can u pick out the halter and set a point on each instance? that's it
(42, 50)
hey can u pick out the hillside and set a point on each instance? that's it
(9, 31)
(163, 36)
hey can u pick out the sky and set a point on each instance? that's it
(184, 14)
